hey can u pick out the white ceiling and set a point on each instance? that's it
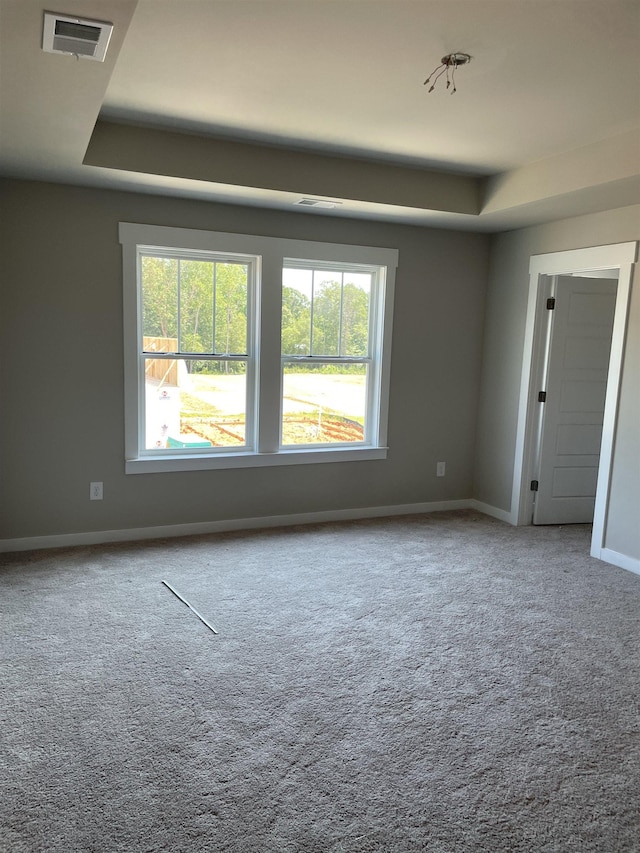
(548, 110)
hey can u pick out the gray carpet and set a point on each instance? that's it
(440, 683)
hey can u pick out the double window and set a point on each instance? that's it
(244, 350)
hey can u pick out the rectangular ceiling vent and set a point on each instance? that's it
(75, 36)
(316, 202)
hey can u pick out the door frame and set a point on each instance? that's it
(542, 269)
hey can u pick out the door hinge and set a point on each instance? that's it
(542, 396)
(534, 485)
(551, 303)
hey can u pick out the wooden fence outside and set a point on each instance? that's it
(163, 369)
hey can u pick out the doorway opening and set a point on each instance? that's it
(549, 274)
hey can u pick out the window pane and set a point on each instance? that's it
(231, 308)
(325, 312)
(356, 298)
(327, 290)
(196, 306)
(296, 311)
(194, 404)
(160, 303)
(324, 404)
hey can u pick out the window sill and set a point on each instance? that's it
(169, 463)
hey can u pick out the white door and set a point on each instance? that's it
(572, 413)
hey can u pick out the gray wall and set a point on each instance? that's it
(61, 366)
(502, 363)
(622, 533)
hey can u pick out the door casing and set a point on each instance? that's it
(542, 268)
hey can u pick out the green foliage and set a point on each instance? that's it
(160, 297)
(296, 322)
(196, 306)
(212, 298)
(327, 369)
(326, 319)
(231, 308)
(208, 301)
(355, 321)
(340, 320)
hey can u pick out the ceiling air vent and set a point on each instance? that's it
(75, 36)
(316, 202)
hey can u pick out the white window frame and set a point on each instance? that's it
(268, 255)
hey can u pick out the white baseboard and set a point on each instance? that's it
(631, 564)
(99, 537)
(493, 511)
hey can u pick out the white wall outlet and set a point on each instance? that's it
(440, 469)
(95, 491)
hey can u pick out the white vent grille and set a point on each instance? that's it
(75, 36)
(316, 202)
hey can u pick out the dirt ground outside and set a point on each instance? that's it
(295, 431)
(318, 409)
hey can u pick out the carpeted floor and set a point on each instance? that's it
(441, 683)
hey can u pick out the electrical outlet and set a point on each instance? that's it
(95, 491)
(440, 469)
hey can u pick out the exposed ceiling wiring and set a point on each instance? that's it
(448, 65)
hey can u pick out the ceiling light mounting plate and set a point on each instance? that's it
(456, 59)
(447, 67)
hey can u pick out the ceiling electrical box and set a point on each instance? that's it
(78, 37)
